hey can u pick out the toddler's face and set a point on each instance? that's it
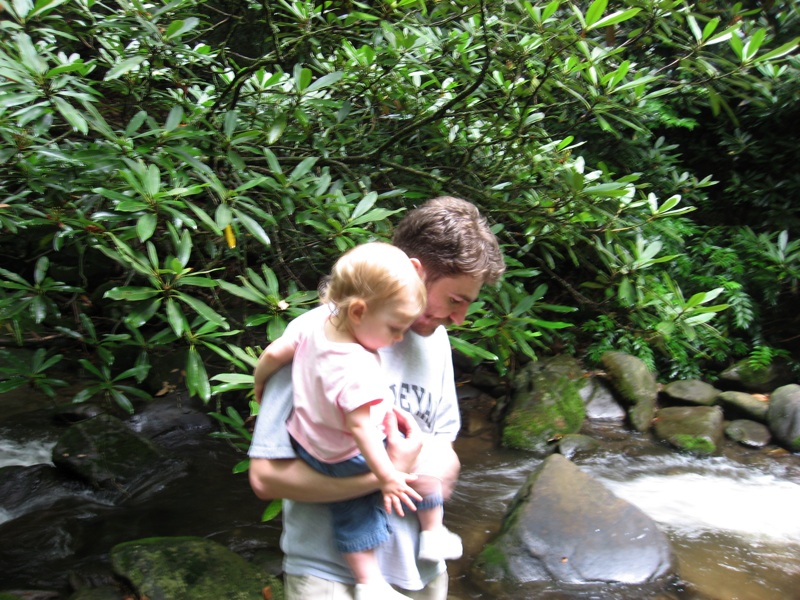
(385, 324)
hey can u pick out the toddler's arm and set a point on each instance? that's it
(394, 483)
(276, 355)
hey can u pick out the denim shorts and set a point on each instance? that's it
(360, 523)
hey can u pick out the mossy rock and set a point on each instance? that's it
(545, 406)
(190, 568)
(694, 429)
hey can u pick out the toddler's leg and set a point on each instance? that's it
(436, 473)
(370, 584)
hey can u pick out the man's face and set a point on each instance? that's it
(448, 301)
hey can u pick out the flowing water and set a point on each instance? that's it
(734, 526)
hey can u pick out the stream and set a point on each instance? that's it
(733, 520)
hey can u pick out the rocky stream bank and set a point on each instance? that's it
(111, 516)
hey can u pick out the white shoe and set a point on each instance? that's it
(439, 544)
(378, 591)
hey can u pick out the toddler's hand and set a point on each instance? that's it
(397, 492)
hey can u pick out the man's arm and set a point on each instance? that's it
(293, 479)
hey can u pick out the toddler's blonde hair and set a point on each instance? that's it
(375, 272)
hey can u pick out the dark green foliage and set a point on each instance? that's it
(177, 177)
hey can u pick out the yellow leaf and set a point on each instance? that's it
(230, 237)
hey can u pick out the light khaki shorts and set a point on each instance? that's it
(307, 587)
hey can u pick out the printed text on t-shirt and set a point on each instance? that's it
(416, 400)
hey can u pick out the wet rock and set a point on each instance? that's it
(30, 595)
(104, 452)
(601, 405)
(564, 526)
(546, 404)
(488, 381)
(190, 568)
(691, 391)
(575, 443)
(743, 376)
(783, 416)
(172, 420)
(98, 593)
(26, 489)
(748, 433)
(743, 405)
(695, 429)
(635, 385)
(47, 537)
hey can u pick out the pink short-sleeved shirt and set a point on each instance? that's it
(331, 379)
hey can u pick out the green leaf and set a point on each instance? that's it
(710, 28)
(304, 167)
(595, 11)
(42, 6)
(175, 317)
(239, 291)
(253, 227)
(196, 376)
(272, 511)
(142, 314)
(779, 52)
(325, 81)
(201, 308)
(302, 77)
(276, 129)
(174, 118)
(376, 214)
(178, 28)
(470, 349)
(131, 293)
(29, 55)
(550, 324)
(364, 205)
(703, 297)
(21, 8)
(617, 17)
(72, 116)
(242, 466)
(146, 226)
(125, 66)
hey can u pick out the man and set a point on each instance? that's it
(455, 253)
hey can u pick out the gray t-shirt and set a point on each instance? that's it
(419, 371)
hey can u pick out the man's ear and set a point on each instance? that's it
(418, 268)
(356, 310)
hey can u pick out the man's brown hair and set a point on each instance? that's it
(450, 237)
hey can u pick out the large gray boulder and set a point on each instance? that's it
(783, 416)
(564, 526)
(635, 386)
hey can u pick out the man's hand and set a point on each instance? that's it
(403, 439)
